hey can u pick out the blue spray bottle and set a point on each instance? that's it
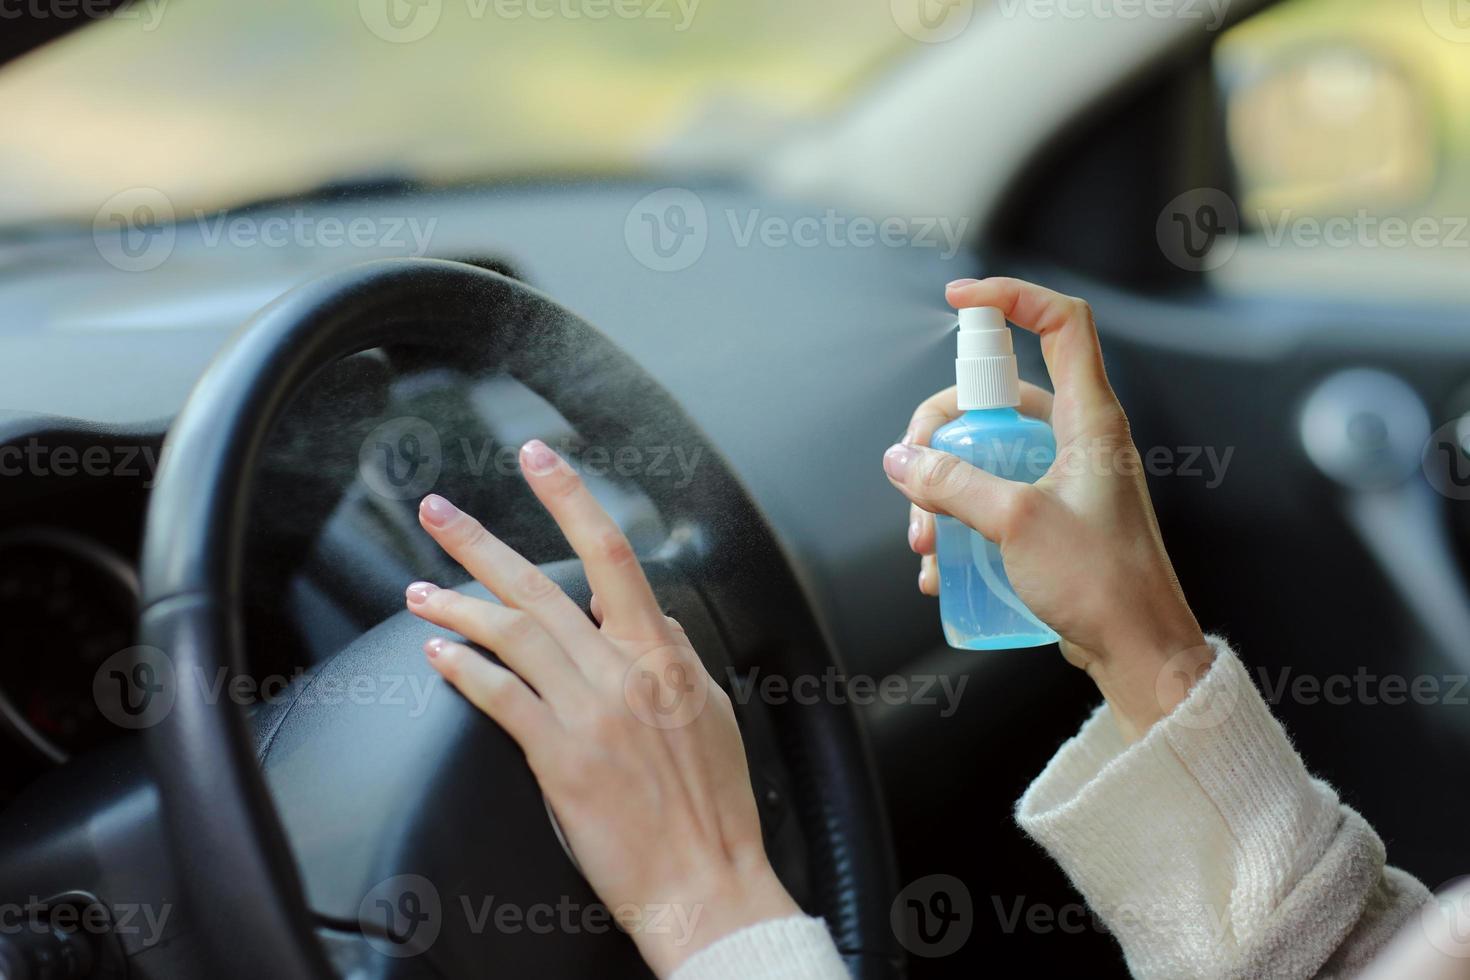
(979, 609)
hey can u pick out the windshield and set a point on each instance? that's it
(217, 104)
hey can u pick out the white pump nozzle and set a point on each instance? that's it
(985, 369)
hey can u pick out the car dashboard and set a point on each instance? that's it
(99, 358)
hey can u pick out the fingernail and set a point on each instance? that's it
(913, 536)
(419, 592)
(908, 436)
(921, 580)
(538, 457)
(961, 282)
(438, 511)
(434, 647)
(897, 460)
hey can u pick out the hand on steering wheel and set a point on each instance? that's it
(633, 743)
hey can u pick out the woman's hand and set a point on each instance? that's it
(1081, 546)
(633, 743)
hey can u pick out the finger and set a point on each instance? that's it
(929, 575)
(596, 607)
(942, 483)
(921, 530)
(1035, 402)
(943, 407)
(612, 568)
(514, 636)
(496, 691)
(936, 410)
(1065, 324)
(515, 580)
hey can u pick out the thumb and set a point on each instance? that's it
(942, 483)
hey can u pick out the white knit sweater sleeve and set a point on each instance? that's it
(1207, 848)
(794, 948)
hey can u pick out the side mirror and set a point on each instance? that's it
(1324, 129)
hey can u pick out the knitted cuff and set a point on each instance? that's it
(1186, 841)
(793, 948)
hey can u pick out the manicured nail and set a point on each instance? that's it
(897, 460)
(433, 648)
(961, 282)
(419, 592)
(438, 511)
(913, 537)
(538, 457)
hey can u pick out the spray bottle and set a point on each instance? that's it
(979, 609)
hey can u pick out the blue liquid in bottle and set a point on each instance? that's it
(978, 607)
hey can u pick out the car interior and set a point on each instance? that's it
(271, 272)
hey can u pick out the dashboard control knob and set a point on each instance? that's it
(1364, 428)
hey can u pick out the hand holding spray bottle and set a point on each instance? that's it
(979, 608)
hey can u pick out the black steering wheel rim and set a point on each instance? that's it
(226, 837)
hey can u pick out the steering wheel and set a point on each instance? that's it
(385, 837)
